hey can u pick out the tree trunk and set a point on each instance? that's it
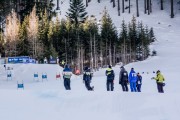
(86, 3)
(82, 60)
(172, 8)
(110, 55)
(124, 52)
(137, 8)
(162, 7)
(101, 54)
(106, 53)
(118, 7)
(122, 6)
(145, 6)
(95, 58)
(66, 49)
(114, 3)
(98, 1)
(91, 45)
(114, 56)
(129, 6)
(148, 6)
(58, 8)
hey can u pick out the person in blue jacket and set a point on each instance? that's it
(87, 76)
(67, 73)
(132, 80)
(139, 82)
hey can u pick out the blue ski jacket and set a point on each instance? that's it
(132, 76)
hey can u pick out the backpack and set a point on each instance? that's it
(124, 76)
(110, 75)
(87, 76)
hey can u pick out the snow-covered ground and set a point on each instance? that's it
(48, 100)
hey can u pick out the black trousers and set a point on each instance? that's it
(110, 85)
(67, 83)
(87, 84)
(124, 86)
(160, 87)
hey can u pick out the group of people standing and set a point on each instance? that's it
(133, 78)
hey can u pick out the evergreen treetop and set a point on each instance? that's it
(77, 12)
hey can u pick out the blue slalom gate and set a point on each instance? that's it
(36, 77)
(9, 75)
(20, 85)
(44, 76)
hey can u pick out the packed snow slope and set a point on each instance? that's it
(48, 100)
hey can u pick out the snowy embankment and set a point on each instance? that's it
(48, 100)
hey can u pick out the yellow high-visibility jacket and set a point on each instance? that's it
(159, 78)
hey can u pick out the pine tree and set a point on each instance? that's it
(23, 36)
(123, 41)
(108, 33)
(133, 37)
(77, 12)
(12, 33)
(35, 47)
(52, 52)
(43, 34)
(56, 32)
(151, 35)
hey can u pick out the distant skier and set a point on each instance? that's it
(110, 78)
(87, 76)
(67, 73)
(160, 81)
(132, 80)
(139, 82)
(123, 79)
(63, 63)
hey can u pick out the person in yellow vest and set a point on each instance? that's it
(110, 78)
(62, 63)
(160, 81)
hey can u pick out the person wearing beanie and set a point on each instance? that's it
(110, 78)
(87, 76)
(139, 82)
(123, 79)
(67, 73)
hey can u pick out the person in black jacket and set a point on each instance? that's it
(123, 79)
(87, 76)
(139, 82)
